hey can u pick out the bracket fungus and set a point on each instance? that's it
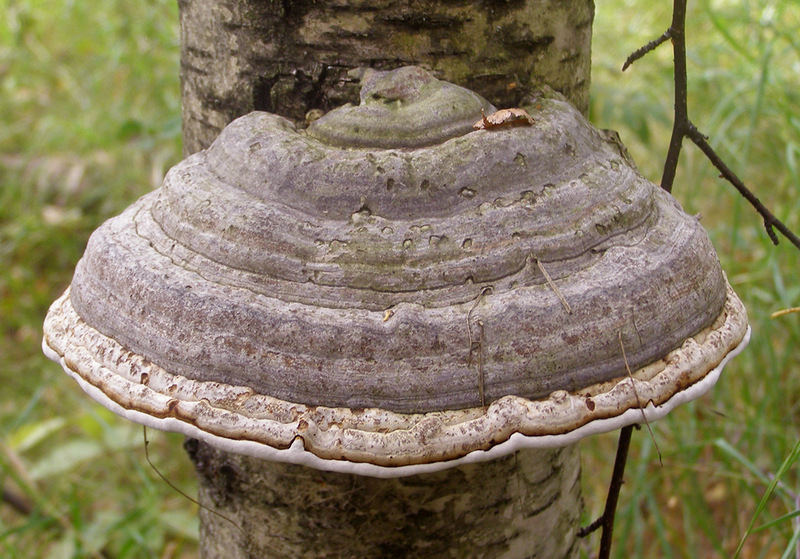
(390, 292)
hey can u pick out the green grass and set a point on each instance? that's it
(89, 106)
(721, 454)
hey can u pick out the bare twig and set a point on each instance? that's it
(641, 51)
(590, 528)
(683, 128)
(770, 221)
(613, 491)
(681, 122)
(16, 500)
(606, 521)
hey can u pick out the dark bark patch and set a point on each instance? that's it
(262, 93)
(499, 8)
(416, 21)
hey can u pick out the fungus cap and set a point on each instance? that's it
(326, 297)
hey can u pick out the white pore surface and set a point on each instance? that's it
(296, 453)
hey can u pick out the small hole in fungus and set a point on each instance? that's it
(435, 240)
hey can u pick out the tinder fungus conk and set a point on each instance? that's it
(390, 291)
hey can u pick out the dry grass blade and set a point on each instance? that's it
(177, 489)
(479, 344)
(782, 312)
(553, 285)
(638, 400)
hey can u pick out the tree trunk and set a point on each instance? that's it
(523, 505)
(291, 57)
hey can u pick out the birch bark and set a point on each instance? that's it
(290, 57)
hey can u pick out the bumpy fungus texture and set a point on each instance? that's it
(245, 301)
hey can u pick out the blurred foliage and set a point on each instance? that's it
(90, 107)
(719, 454)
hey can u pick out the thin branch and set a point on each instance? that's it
(613, 491)
(641, 51)
(683, 128)
(586, 530)
(681, 121)
(16, 501)
(770, 221)
(606, 521)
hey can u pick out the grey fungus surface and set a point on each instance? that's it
(355, 292)
(406, 108)
(374, 441)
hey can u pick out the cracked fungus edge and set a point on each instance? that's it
(376, 442)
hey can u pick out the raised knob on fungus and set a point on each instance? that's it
(390, 292)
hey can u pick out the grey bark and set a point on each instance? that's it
(291, 57)
(523, 505)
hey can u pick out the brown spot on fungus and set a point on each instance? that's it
(504, 118)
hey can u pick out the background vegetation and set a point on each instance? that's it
(90, 120)
(719, 454)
